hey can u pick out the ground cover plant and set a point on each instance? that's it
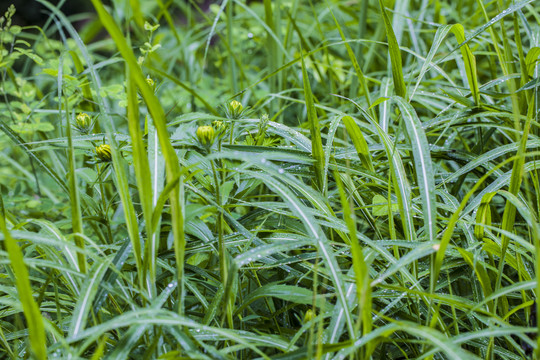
(270, 180)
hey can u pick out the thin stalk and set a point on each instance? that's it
(222, 250)
(230, 58)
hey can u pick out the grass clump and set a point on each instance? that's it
(275, 180)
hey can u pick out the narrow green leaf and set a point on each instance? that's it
(36, 331)
(76, 214)
(352, 57)
(469, 60)
(359, 142)
(88, 293)
(395, 54)
(381, 206)
(28, 150)
(294, 294)
(361, 271)
(144, 184)
(158, 116)
(315, 132)
(481, 274)
(423, 165)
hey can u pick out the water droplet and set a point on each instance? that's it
(281, 171)
(198, 330)
(250, 35)
(259, 255)
(263, 160)
(171, 285)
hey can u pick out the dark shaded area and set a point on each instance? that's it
(31, 12)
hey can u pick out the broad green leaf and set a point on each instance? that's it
(380, 206)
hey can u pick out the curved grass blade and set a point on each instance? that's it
(395, 54)
(399, 176)
(423, 165)
(158, 116)
(76, 214)
(88, 293)
(294, 294)
(305, 217)
(352, 57)
(36, 330)
(359, 142)
(316, 142)
(144, 186)
(361, 270)
(469, 60)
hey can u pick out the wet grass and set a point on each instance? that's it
(277, 180)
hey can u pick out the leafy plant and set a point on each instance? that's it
(275, 180)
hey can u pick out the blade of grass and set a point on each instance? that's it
(395, 54)
(76, 215)
(87, 295)
(316, 142)
(144, 185)
(359, 73)
(359, 142)
(423, 165)
(361, 271)
(28, 150)
(230, 58)
(36, 331)
(469, 60)
(398, 175)
(158, 116)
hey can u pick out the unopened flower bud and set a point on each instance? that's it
(236, 106)
(235, 109)
(83, 120)
(83, 123)
(150, 82)
(103, 152)
(206, 134)
(308, 316)
(218, 125)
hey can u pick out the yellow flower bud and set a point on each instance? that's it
(103, 152)
(83, 120)
(218, 125)
(234, 109)
(206, 134)
(236, 106)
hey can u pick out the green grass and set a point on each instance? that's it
(372, 192)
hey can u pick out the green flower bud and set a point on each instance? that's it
(308, 316)
(218, 125)
(234, 109)
(83, 123)
(206, 134)
(103, 152)
(236, 106)
(83, 120)
(150, 82)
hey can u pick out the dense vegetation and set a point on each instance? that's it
(272, 179)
